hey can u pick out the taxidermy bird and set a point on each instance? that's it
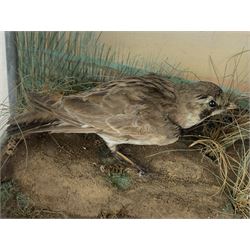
(145, 110)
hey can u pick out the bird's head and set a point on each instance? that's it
(200, 100)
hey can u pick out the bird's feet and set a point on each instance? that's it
(123, 158)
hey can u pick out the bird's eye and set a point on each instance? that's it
(212, 104)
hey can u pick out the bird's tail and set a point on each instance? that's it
(39, 118)
(45, 115)
(31, 122)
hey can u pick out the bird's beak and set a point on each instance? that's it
(231, 105)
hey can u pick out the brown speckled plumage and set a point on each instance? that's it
(136, 110)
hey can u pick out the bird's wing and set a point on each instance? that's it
(125, 108)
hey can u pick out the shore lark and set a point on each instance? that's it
(145, 110)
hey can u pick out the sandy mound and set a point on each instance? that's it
(74, 176)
